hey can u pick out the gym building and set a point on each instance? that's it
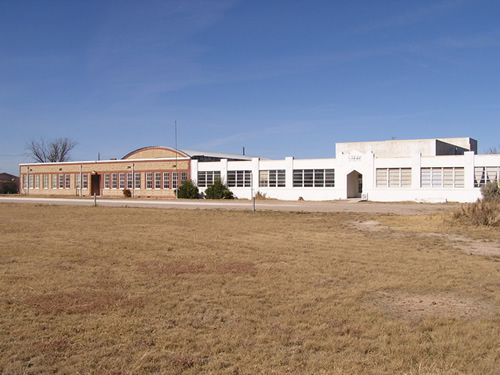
(425, 170)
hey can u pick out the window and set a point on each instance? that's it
(114, 181)
(329, 178)
(308, 177)
(184, 177)
(25, 182)
(166, 180)
(319, 177)
(129, 181)
(67, 179)
(207, 178)
(106, 180)
(37, 181)
(31, 181)
(45, 181)
(77, 181)
(437, 177)
(85, 177)
(149, 180)
(272, 178)
(239, 178)
(483, 175)
(313, 178)
(122, 180)
(54, 181)
(175, 180)
(138, 180)
(61, 181)
(157, 180)
(393, 177)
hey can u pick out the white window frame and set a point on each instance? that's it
(157, 180)
(166, 180)
(175, 180)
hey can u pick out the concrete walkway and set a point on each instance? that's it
(299, 206)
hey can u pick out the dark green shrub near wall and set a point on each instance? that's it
(188, 190)
(218, 191)
(8, 188)
(491, 192)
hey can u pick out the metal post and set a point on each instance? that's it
(81, 181)
(28, 181)
(133, 179)
(251, 192)
(176, 161)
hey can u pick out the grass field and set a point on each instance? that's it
(87, 290)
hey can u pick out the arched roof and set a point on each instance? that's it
(155, 152)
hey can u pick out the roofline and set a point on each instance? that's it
(149, 147)
(123, 161)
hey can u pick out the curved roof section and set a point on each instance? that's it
(155, 152)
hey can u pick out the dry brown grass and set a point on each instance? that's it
(151, 291)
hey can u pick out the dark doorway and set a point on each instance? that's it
(95, 185)
(354, 184)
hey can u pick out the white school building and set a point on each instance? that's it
(425, 170)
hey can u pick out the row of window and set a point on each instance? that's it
(54, 181)
(272, 178)
(207, 178)
(435, 177)
(313, 178)
(239, 178)
(483, 175)
(154, 180)
(449, 177)
(393, 177)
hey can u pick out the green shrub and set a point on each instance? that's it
(127, 193)
(8, 188)
(218, 191)
(491, 192)
(188, 190)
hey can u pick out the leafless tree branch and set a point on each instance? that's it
(57, 150)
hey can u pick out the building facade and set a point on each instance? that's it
(430, 170)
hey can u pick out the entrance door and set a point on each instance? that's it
(354, 184)
(95, 184)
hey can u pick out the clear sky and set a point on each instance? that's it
(278, 77)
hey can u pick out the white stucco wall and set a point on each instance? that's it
(365, 164)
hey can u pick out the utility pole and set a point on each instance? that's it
(176, 153)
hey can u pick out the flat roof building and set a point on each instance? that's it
(422, 170)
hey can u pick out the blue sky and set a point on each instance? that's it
(280, 78)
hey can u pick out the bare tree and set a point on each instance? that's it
(57, 150)
(493, 150)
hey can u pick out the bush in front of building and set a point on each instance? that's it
(485, 211)
(8, 187)
(479, 213)
(218, 191)
(491, 192)
(188, 190)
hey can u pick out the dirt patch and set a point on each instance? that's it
(414, 306)
(368, 226)
(468, 245)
